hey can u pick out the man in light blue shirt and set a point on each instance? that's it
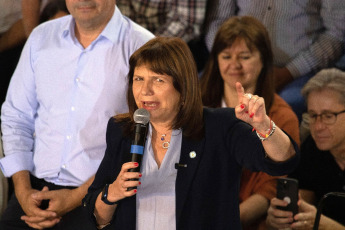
(70, 79)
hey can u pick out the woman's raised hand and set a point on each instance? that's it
(251, 109)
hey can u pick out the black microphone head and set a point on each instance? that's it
(141, 116)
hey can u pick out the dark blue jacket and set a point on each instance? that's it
(207, 190)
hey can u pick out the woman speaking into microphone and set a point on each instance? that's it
(193, 156)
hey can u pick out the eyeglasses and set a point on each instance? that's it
(328, 118)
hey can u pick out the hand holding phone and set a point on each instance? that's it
(287, 189)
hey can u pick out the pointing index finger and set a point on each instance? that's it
(240, 91)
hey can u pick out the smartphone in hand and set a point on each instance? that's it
(287, 189)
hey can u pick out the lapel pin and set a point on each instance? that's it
(192, 154)
(178, 165)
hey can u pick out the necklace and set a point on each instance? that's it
(166, 144)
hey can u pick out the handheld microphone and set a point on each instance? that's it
(141, 118)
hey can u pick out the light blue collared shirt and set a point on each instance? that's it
(156, 205)
(61, 97)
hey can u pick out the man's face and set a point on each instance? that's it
(327, 136)
(91, 14)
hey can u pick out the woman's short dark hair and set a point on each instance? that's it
(256, 37)
(170, 56)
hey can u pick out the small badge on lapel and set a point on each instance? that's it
(192, 154)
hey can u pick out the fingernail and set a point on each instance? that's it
(135, 191)
(139, 183)
(140, 175)
(246, 111)
(136, 164)
(242, 106)
(251, 115)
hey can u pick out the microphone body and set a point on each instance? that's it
(138, 145)
(141, 118)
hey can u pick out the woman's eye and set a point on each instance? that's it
(137, 79)
(226, 57)
(245, 57)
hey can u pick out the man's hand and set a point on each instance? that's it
(277, 218)
(282, 77)
(40, 223)
(306, 217)
(35, 216)
(60, 202)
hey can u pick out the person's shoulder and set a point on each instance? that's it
(112, 122)
(220, 116)
(219, 112)
(135, 30)
(52, 27)
(223, 121)
(310, 151)
(313, 159)
(134, 34)
(115, 123)
(138, 29)
(116, 128)
(309, 144)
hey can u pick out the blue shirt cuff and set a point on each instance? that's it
(16, 162)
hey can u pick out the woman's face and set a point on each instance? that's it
(157, 94)
(327, 137)
(238, 64)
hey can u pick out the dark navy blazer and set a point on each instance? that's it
(207, 190)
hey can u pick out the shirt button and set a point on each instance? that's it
(77, 79)
(269, 8)
(72, 108)
(68, 137)
(64, 166)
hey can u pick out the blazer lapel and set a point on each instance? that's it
(191, 153)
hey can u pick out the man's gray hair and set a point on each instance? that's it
(333, 79)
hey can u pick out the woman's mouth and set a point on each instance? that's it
(150, 104)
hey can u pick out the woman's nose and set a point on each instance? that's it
(146, 88)
(234, 63)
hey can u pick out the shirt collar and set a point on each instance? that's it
(112, 30)
(68, 27)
